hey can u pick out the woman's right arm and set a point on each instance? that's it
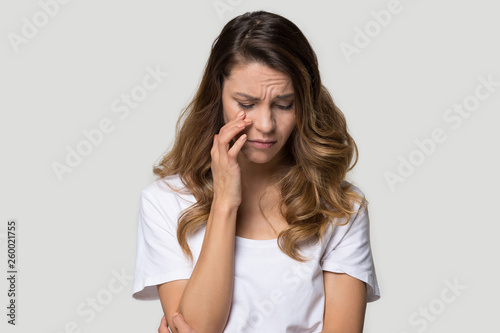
(205, 299)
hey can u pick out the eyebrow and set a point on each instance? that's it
(256, 98)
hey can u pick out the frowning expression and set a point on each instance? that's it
(267, 97)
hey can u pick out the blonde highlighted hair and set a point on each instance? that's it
(319, 150)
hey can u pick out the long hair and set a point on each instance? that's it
(319, 149)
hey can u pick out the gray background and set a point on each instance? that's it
(438, 225)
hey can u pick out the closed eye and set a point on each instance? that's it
(285, 107)
(249, 106)
(245, 107)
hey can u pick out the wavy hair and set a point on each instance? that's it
(319, 149)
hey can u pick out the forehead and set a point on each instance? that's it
(257, 76)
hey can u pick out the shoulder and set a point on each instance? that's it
(350, 231)
(167, 191)
(347, 185)
(340, 226)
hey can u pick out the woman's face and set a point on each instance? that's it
(266, 97)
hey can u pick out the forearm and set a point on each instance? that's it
(206, 301)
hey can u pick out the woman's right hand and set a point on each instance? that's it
(179, 324)
(225, 169)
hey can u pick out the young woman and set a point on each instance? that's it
(251, 225)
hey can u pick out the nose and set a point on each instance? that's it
(263, 119)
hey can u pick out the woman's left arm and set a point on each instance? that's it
(179, 323)
(345, 303)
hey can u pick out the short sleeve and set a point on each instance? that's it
(159, 257)
(348, 251)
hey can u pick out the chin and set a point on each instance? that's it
(258, 157)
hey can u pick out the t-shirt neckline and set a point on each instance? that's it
(256, 242)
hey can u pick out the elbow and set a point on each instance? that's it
(196, 323)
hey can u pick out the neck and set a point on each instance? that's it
(259, 176)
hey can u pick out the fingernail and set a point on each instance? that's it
(241, 114)
(248, 121)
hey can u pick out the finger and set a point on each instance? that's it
(240, 120)
(179, 322)
(213, 144)
(216, 138)
(240, 115)
(227, 133)
(163, 325)
(235, 149)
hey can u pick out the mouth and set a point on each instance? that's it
(263, 141)
(261, 144)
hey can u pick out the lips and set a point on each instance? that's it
(264, 144)
(262, 141)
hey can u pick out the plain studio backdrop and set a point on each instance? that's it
(91, 91)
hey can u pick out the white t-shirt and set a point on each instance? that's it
(272, 292)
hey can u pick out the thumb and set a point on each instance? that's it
(179, 322)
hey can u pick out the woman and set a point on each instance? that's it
(251, 225)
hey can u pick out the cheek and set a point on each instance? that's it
(291, 123)
(226, 111)
(229, 113)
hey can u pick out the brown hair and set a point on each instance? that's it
(320, 149)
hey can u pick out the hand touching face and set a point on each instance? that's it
(267, 97)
